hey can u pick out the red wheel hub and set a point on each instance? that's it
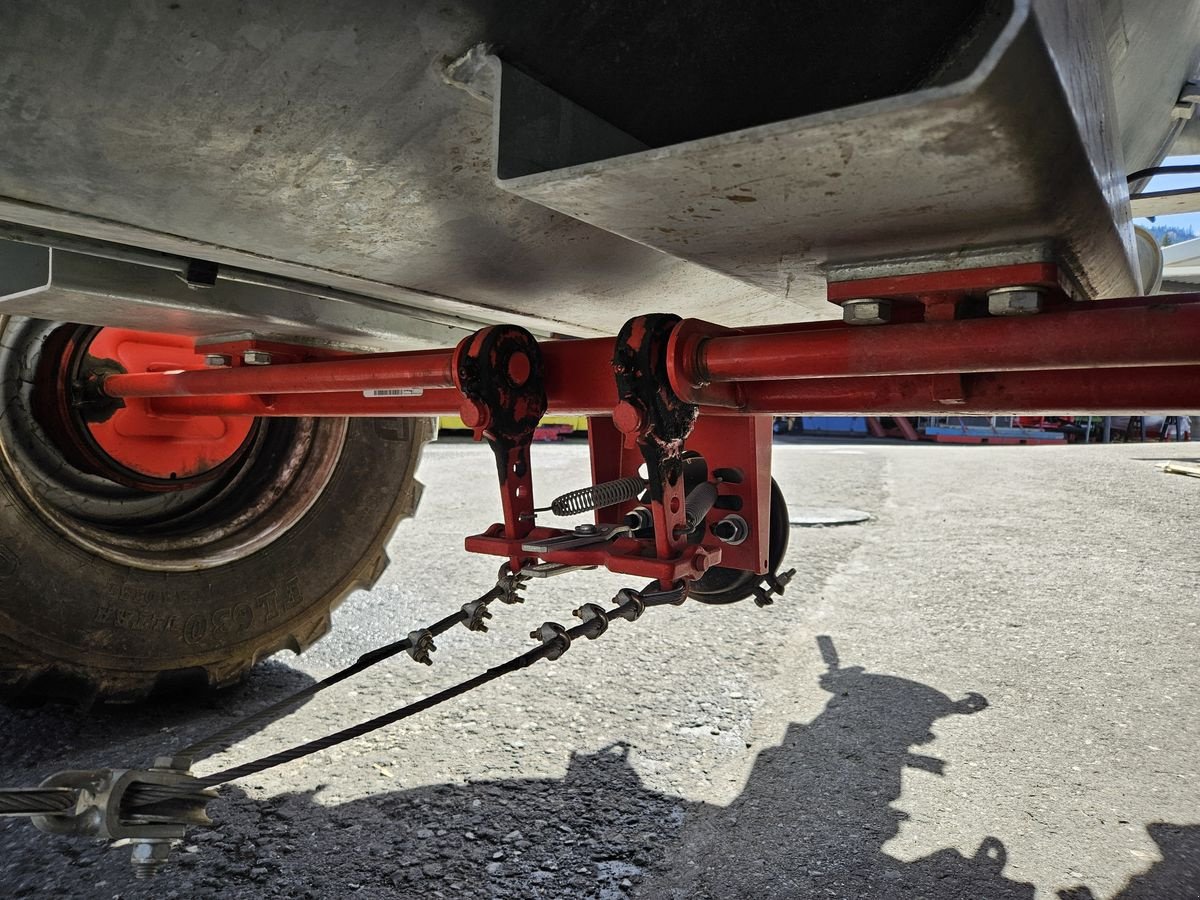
(128, 442)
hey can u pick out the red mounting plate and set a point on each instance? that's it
(624, 555)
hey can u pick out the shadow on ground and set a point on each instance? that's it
(811, 822)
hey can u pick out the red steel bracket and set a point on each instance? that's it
(654, 421)
(499, 372)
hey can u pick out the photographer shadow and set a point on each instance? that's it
(817, 810)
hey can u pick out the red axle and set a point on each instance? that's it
(419, 369)
(1140, 356)
(1155, 334)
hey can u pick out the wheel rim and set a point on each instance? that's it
(234, 509)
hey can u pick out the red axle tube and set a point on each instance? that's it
(418, 369)
(433, 402)
(1148, 335)
(1157, 389)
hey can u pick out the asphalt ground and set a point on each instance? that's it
(988, 690)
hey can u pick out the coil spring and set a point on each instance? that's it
(598, 496)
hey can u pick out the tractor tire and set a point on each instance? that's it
(111, 593)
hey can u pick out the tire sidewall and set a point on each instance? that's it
(80, 610)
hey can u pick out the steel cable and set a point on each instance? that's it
(630, 610)
(347, 734)
(36, 801)
(221, 739)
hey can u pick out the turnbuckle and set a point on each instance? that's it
(145, 809)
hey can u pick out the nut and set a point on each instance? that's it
(256, 358)
(731, 530)
(867, 311)
(1015, 301)
(217, 360)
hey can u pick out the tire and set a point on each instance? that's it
(108, 593)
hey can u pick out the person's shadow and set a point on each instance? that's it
(1176, 875)
(812, 821)
(816, 810)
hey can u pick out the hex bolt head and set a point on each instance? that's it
(867, 311)
(217, 360)
(1015, 301)
(731, 530)
(256, 358)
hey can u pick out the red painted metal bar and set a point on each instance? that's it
(579, 376)
(962, 281)
(417, 369)
(1158, 389)
(1154, 389)
(1153, 334)
(433, 402)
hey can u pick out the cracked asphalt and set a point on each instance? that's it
(988, 690)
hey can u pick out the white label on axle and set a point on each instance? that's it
(395, 392)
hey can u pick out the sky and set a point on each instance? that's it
(1167, 182)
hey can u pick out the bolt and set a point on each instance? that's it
(421, 646)
(731, 530)
(256, 358)
(1015, 301)
(866, 311)
(519, 368)
(474, 414)
(217, 360)
(149, 856)
(628, 418)
(586, 528)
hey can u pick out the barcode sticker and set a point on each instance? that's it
(395, 392)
